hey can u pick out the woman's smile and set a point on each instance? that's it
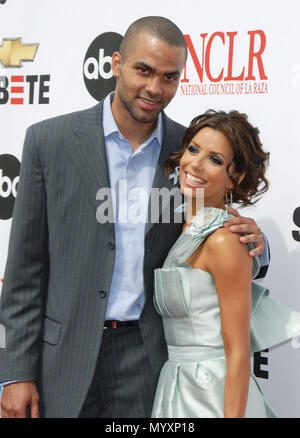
(193, 180)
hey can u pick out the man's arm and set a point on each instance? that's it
(26, 274)
(17, 397)
(240, 224)
(264, 260)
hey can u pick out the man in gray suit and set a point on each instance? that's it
(82, 336)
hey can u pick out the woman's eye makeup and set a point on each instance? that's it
(214, 158)
(193, 149)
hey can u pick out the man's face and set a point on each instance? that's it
(148, 78)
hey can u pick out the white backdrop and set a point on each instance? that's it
(238, 32)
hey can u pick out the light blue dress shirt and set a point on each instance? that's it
(264, 258)
(131, 176)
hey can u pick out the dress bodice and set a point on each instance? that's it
(187, 299)
(192, 381)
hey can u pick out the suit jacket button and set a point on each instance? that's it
(102, 293)
(111, 244)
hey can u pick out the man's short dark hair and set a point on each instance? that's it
(159, 27)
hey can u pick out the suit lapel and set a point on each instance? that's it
(88, 152)
(160, 181)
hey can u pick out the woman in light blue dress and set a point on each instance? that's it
(214, 315)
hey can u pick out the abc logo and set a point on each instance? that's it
(97, 72)
(9, 178)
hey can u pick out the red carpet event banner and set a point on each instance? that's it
(55, 58)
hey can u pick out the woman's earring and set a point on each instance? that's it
(228, 198)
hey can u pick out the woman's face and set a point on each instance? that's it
(203, 165)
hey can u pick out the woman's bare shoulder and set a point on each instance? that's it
(225, 245)
(225, 236)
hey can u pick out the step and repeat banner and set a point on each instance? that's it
(55, 58)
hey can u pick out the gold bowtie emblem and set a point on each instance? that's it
(12, 52)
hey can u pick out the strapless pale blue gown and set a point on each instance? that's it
(191, 382)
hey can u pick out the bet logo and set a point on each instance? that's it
(97, 72)
(9, 179)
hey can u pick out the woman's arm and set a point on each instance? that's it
(231, 266)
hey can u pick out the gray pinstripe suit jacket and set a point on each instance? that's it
(60, 261)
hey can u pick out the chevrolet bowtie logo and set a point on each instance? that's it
(12, 52)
